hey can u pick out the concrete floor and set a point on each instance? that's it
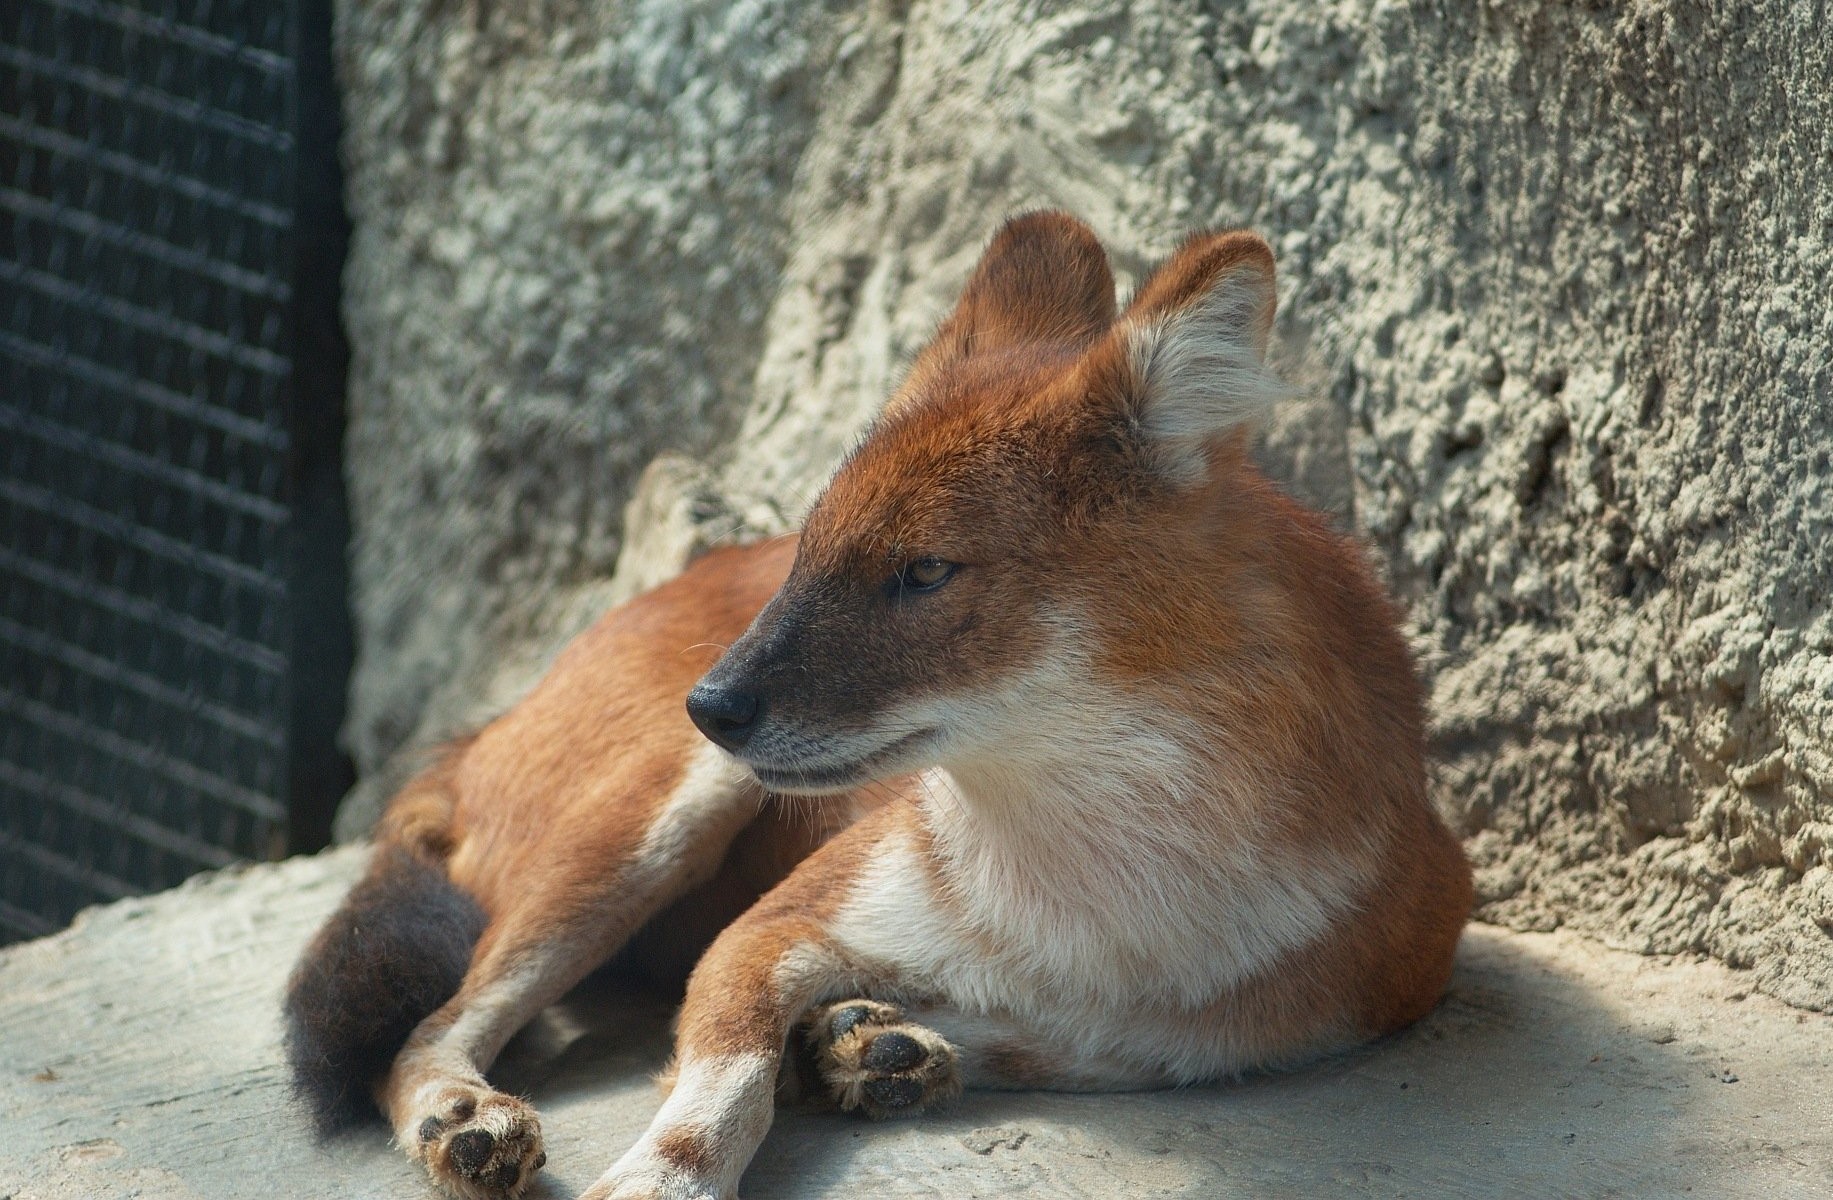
(139, 1056)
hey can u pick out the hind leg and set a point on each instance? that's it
(583, 892)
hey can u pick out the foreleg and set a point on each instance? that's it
(547, 932)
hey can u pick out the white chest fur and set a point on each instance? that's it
(1079, 915)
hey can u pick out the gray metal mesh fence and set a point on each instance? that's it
(148, 458)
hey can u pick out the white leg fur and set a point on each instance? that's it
(706, 1131)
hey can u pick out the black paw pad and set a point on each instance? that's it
(892, 1052)
(894, 1093)
(848, 1019)
(470, 1150)
(503, 1177)
(430, 1129)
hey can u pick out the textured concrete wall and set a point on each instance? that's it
(1556, 281)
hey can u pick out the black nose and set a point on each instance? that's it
(724, 714)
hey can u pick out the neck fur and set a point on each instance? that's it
(1125, 853)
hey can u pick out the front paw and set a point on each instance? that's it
(479, 1144)
(874, 1061)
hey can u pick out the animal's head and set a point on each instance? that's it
(1047, 467)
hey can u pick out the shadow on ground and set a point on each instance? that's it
(1524, 1083)
(139, 1055)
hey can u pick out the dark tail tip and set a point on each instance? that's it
(394, 952)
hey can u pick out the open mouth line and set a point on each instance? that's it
(853, 773)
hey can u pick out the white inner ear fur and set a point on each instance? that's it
(1200, 373)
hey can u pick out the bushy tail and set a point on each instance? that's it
(393, 953)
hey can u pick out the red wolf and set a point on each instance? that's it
(1119, 753)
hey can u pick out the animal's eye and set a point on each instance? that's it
(926, 574)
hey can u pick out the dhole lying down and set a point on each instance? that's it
(1116, 752)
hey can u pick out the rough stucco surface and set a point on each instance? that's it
(1555, 290)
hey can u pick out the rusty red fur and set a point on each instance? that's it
(1120, 752)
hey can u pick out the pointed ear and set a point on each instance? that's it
(1186, 360)
(1043, 278)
